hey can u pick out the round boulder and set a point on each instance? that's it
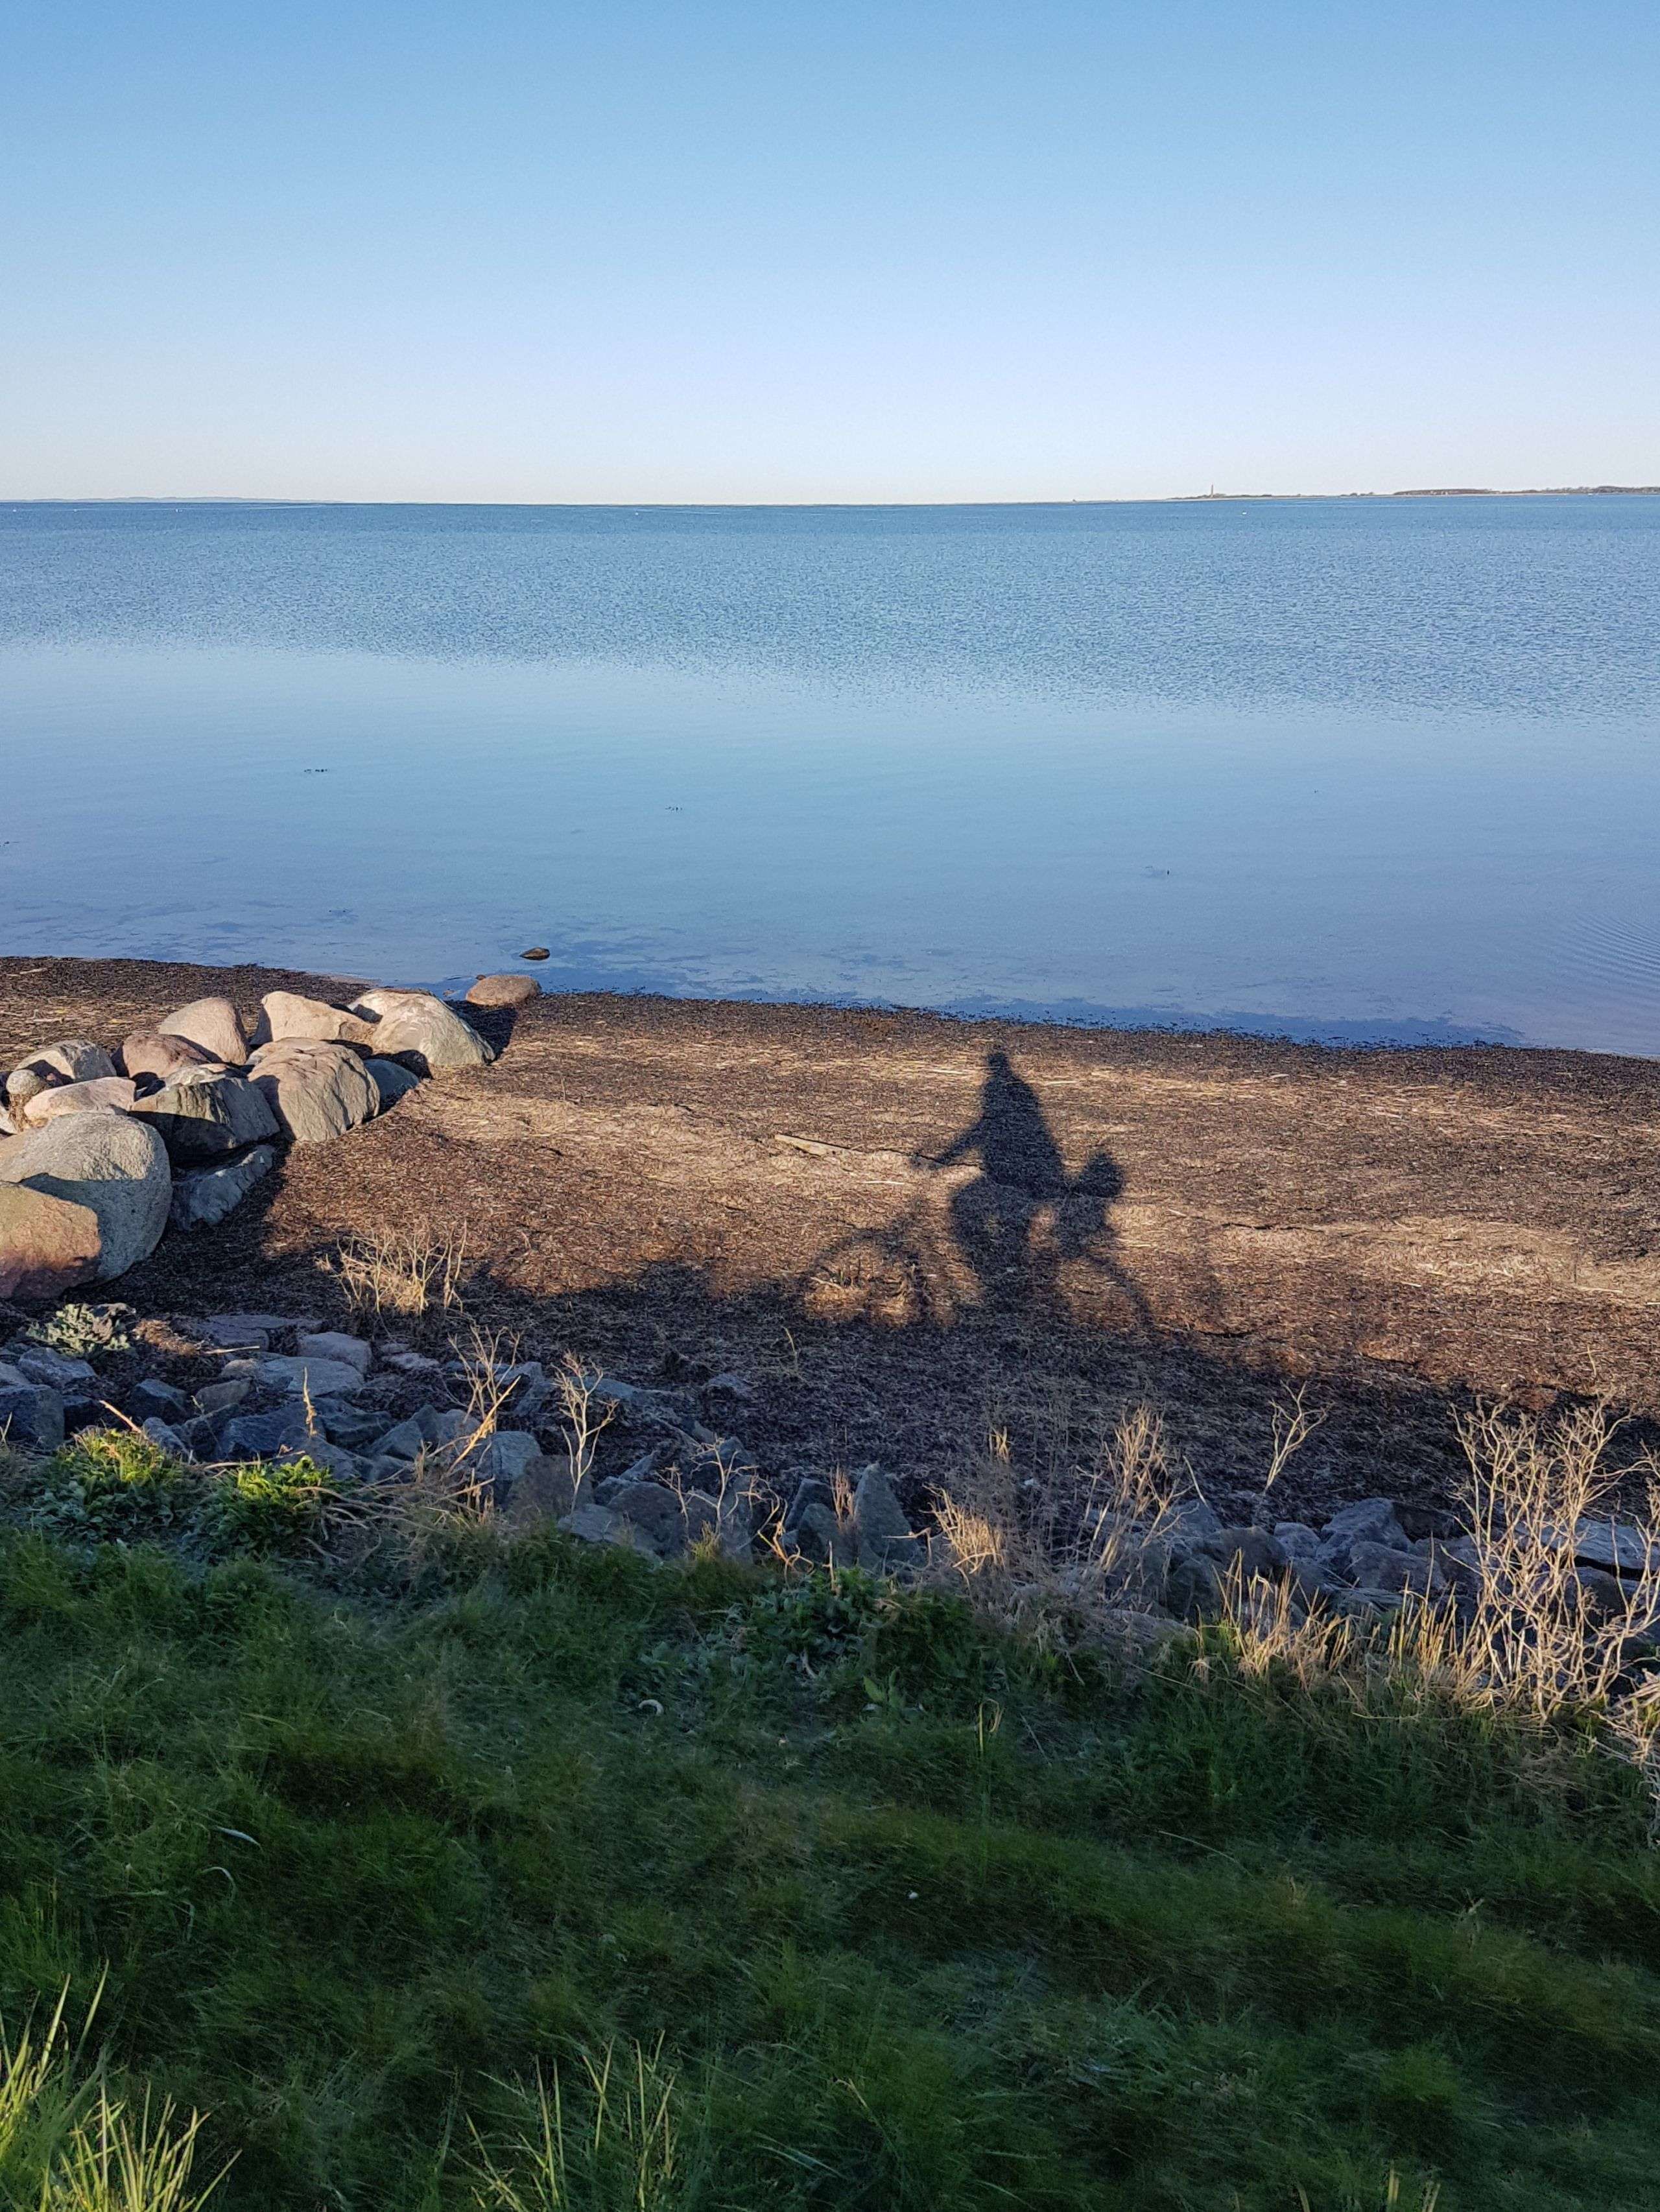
(153, 1052)
(316, 1089)
(421, 1031)
(311, 1021)
(213, 1023)
(504, 991)
(108, 1164)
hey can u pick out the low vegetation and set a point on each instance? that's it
(345, 1862)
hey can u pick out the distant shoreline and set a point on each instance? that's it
(796, 506)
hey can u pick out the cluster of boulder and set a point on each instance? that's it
(101, 1150)
(265, 1386)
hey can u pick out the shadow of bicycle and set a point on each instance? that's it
(1004, 1238)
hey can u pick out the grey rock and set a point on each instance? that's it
(1193, 1590)
(1299, 1543)
(421, 1031)
(152, 1395)
(388, 1471)
(1373, 1521)
(211, 1023)
(1260, 1557)
(110, 1165)
(813, 1529)
(1189, 1526)
(732, 1387)
(321, 1378)
(316, 1091)
(503, 1460)
(728, 1519)
(334, 1459)
(243, 1332)
(598, 1524)
(1367, 1607)
(652, 1407)
(356, 1427)
(335, 1344)
(39, 1363)
(412, 1363)
(652, 1511)
(204, 1197)
(32, 1416)
(169, 1439)
(887, 1543)
(1614, 1548)
(411, 1438)
(11, 1379)
(220, 1397)
(199, 1436)
(262, 1436)
(391, 1081)
(203, 1114)
(546, 1491)
(1602, 1596)
(1382, 1567)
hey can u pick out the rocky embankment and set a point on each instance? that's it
(661, 1470)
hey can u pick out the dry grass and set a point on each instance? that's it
(1055, 1558)
(576, 1383)
(1532, 1634)
(409, 1273)
(1517, 1627)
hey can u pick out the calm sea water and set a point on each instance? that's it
(1381, 769)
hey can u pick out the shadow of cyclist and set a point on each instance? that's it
(995, 1219)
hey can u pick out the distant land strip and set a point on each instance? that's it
(639, 505)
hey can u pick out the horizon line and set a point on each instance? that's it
(683, 506)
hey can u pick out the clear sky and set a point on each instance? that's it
(687, 250)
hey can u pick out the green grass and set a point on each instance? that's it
(551, 1879)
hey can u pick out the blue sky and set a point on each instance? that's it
(643, 252)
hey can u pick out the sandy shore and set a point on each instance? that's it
(902, 1240)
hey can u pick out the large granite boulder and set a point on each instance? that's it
(213, 1023)
(113, 1090)
(47, 1245)
(202, 1198)
(421, 1031)
(205, 1113)
(312, 1021)
(108, 1164)
(316, 1089)
(71, 1060)
(152, 1052)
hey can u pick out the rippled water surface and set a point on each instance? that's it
(1372, 769)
